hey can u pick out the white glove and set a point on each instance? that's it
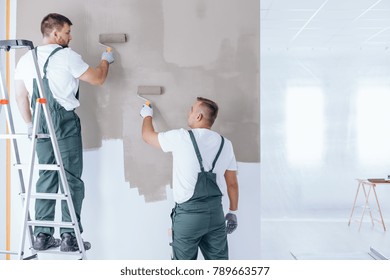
(29, 127)
(146, 111)
(109, 56)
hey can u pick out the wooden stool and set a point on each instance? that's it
(368, 186)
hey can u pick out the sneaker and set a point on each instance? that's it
(45, 241)
(69, 243)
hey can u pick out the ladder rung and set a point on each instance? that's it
(31, 257)
(15, 44)
(22, 135)
(13, 136)
(8, 252)
(43, 136)
(57, 251)
(46, 195)
(39, 166)
(51, 224)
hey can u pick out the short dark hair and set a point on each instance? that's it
(53, 21)
(210, 109)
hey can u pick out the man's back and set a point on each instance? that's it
(185, 163)
(63, 70)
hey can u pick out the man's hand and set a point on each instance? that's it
(231, 222)
(108, 56)
(29, 127)
(146, 111)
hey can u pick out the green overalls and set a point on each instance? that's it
(68, 131)
(200, 222)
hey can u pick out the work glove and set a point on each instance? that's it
(108, 56)
(29, 127)
(231, 222)
(146, 111)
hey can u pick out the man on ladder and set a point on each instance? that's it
(61, 69)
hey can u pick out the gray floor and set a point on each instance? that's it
(322, 240)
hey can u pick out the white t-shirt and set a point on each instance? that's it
(185, 163)
(63, 71)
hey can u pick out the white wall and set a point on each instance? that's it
(343, 133)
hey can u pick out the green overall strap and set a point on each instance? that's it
(198, 152)
(36, 94)
(219, 152)
(47, 60)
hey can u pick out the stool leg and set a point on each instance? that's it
(354, 203)
(379, 209)
(368, 203)
(365, 205)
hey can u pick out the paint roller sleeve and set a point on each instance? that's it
(148, 90)
(109, 38)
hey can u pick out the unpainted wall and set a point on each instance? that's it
(191, 48)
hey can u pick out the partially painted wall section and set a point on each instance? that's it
(191, 48)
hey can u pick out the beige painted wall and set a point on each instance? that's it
(191, 48)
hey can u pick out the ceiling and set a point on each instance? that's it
(325, 24)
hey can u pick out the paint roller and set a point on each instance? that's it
(148, 90)
(153, 90)
(110, 38)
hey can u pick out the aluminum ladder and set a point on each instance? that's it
(26, 189)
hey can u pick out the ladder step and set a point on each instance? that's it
(22, 135)
(39, 166)
(46, 195)
(51, 224)
(13, 136)
(8, 252)
(32, 257)
(43, 136)
(16, 44)
(57, 251)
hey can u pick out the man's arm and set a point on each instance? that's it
(148, 134)
(23, 101)
(96, 76)
(232, 188)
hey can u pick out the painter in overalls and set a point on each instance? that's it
(68, 131)
(61, 70)
(203, 162)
